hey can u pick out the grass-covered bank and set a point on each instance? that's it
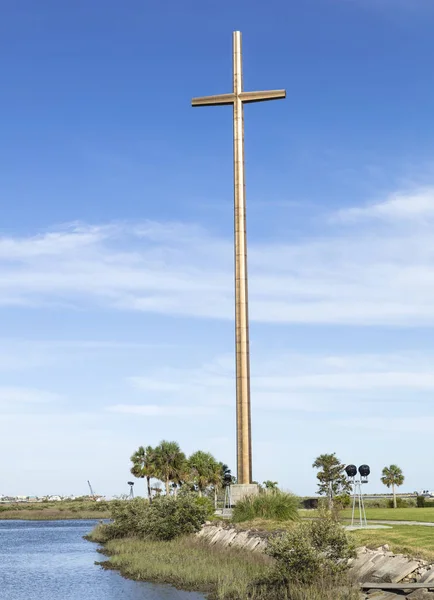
(223, 574)
(156, 542)
(187, 564)
(51, 511)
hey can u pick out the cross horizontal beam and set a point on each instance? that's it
(245, 97)
(262, 96)
(214, 100)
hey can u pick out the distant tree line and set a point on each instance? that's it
(200, 472)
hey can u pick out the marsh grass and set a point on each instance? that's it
(51, 515)
(51, 511)
(188, 564)
(99, 534)
(223, 573)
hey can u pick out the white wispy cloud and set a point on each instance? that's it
(290, 382)
(28, 354)
(12, 397)
(418, 205)
(390, 426)
(157, 410)
(359, 275)
(153, 385)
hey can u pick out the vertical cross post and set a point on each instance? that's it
(244, 434)
(237, 98)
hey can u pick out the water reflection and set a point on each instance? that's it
(49, 560)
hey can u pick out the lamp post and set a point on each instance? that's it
(364, 471)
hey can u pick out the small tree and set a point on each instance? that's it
(144, 466)
(392, 476)
(332, 478)
(271, 485)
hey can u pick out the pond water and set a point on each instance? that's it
(49, 560)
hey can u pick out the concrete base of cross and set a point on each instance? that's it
(241, 490)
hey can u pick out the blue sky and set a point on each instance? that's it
(116, 294)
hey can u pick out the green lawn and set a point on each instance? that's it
(425, 515)
(414, 540)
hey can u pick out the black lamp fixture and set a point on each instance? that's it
(131, 484)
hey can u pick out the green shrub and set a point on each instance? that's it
(343, 501)
(402, 503)
(275, 505)
(169, 517)
(420, 501)
(309, 552)
(166, 518)
(376, 503)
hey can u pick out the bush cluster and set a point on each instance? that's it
(275, 505)
(376, 502)
(423, 502)
(402, 503)
(342, 501)
(309, 552)
(165, 519)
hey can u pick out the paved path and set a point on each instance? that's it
(424, 524)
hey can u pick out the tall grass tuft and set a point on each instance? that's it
(275, 505)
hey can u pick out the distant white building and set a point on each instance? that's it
(54, 498)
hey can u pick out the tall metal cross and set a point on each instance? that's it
(238, 98)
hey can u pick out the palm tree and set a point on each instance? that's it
(271, 485)
(204, 468)
(217, 474)
(169, 463)
(392, 476)
(183, 476)
(143, 461)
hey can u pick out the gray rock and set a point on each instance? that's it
(427, 577)
(394, 569)
(241, 539)
(252, 543)
(261, 547)
(421, 595)
(380, 595)
(378, 565)
(224, 538)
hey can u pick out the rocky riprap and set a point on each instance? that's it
(372, 566)
(382, 566)
(230, 537)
